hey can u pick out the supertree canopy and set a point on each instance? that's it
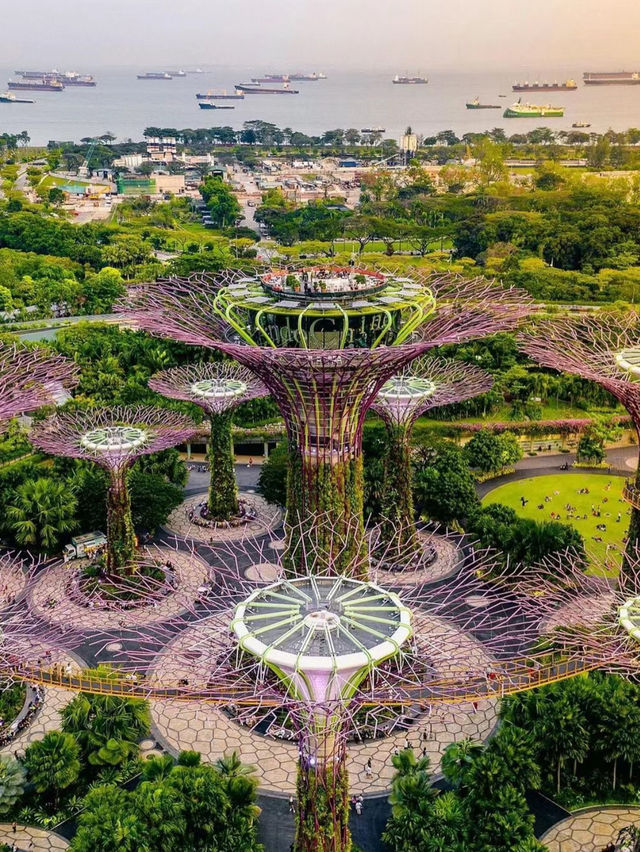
(427, 383)
(218, 388)
(329, 659)
(31, 378)
(114, 438)
(324, 340)
(604, 349)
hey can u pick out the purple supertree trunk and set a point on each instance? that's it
(114, 439)
(425, 384)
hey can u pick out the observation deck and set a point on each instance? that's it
(324, 308)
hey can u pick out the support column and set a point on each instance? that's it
(121, 541)
(398, 532)
(223, 491)
(323, 799)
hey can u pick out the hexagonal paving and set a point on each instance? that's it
(590, 831)
(41, 840)
(268, 517)
(202, 727)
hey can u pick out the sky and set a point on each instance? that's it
(410, 35)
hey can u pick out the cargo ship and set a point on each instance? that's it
(520, 110)
(567, 86)
(409, 81)
(67, 78)
(307, 78)
(611, 78)
(8, 98)
(220, 96)
(43, 85)
(271, 78)
(179, 73)
(581, 124)
(209, 105)
(259, 89)
(475, 104)
(373, 130)
(155, 75)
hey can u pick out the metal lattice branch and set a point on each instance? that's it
(31, 378)
(112, 437)
(217, 387)
(428, 383)
(594, 348)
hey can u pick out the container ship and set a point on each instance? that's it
(611, 78)
(475, 104)
(42, 85)
(220, 96)
(567, 86)
(155, 75)
(8, 98)
(258, 89)
(409, 81)
(520, 110)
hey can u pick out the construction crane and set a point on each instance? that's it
(84, 170)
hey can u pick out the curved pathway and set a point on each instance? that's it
(591, 830)
(43, 841)
(191, 573)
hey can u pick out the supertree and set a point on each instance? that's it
(327, 659)
(604, 349)
(324, 340)
(114, 438)
(31, 378)
(425, 384)
(588, 614)
(218, 388)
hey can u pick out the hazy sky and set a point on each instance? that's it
(425, 35)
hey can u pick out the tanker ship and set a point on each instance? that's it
(220, 96)
(520, 110)
(611, 78)
(259, 89)
(43, 85)
(409, 81)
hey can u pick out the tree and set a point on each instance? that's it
(53, 763)
(41, 513)
(272, 482)
(102, 289)
(490, 452)
(56, 196)
(221, 201)
(458, 758)
(110, 823)
(444, 485)
(107, 728)
(12, 781)
(152, 499)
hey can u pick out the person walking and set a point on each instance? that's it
(368, 769)
(292, 808)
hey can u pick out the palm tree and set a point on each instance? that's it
(158, 768)
(41, 512)
(12, 780)
(231, 766)
(53, 763)
(457, 760)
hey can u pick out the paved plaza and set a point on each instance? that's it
(51, 600)
(28, 838)
(267, 518)
(591, 830)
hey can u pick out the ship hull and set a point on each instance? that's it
(483, 106)
(259, 90)
(5, 100)
(207, 105)
(551, 88)
(34, 87)
(610, 81)
(533, 113)
(201, 96)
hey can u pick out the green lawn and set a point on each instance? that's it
(604, 492)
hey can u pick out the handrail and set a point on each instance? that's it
(507, 679)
